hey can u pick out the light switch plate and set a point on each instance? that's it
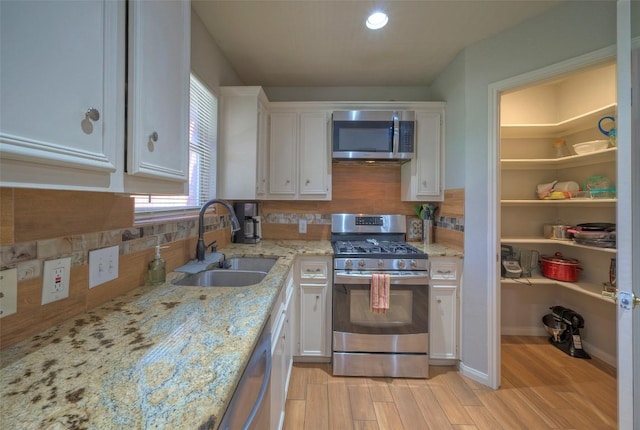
(55, 280)
(8, 292)
(302, 226)
(103, 265)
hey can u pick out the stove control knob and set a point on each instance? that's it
(413, 264)
(348, 264)
(401, 264)
(361, 264)
(380, 264)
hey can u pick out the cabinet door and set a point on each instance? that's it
(314, 171)
(282, 153)
(422, 178)
(312, 319)
(277, 375)
(242, 143)
(428, 137)
(158, 89)
(263, 150)
(61, 77)
(443, 331)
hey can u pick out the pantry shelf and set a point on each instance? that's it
(604, 156)
(561, 202)
(562, 128)
(532, 240)
(587, 288)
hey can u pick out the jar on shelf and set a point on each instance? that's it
(560, 148)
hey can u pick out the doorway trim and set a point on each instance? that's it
(553, 71)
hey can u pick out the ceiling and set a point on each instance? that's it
(324, 43)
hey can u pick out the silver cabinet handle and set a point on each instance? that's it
(92, 114)
(153, 138)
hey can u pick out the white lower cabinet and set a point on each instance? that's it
(281, 352)
(443, 309)
(314, 319)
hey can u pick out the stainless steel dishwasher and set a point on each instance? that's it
(250, 406)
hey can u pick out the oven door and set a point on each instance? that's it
(408, 305)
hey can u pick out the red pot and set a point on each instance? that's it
(559, 268)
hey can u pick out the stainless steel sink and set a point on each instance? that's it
(223, 278)
(261, 264)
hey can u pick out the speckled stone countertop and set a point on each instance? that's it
(437, 250)
(157, 357)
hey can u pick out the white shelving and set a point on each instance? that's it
(565, 202)
(606, 155)
(590, 289)
(544, 241)
(552, 130)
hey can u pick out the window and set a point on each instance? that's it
(203, 138)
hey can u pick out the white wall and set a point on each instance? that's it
(207, 61)
(570, 30)
(408, 94)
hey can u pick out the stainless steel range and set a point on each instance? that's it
(393, 343)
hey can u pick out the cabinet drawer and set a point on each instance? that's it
(313, 270)
(444, 270)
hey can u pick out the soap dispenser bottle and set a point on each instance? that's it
(157, 269)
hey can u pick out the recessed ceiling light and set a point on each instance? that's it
(377, 20)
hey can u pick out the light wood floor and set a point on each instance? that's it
(542, 388)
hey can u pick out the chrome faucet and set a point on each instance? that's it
(235, 226)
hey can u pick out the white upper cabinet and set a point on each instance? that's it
(314, 155)
(423, 177)
(158, 95)
(283, 158)
(299, 165)
(61, 78)
(242, 143)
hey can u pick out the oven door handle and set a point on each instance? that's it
(355, 279)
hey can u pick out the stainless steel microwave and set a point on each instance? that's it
(373, 135)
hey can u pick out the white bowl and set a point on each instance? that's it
(587, 147)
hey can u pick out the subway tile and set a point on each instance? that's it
(12, 254)
(29, 270)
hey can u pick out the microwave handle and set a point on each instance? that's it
(396, 133)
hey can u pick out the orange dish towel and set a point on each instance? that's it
(379, 293)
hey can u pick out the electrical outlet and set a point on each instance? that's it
(8, 292)
(103, 265)
(302, 225)
(55, 280)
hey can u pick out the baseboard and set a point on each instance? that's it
(315, 359)
(443, 362)
(474, 374)
(600, 354)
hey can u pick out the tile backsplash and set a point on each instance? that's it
(39, 225)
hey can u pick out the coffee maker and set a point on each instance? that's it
(250, 228)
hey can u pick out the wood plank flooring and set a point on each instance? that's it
(542, 388)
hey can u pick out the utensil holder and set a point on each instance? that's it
(427, 232)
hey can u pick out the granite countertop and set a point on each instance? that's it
(157, 357)
(437, 250)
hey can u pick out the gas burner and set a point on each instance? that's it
(373, 246)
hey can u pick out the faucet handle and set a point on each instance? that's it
(213, 245)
